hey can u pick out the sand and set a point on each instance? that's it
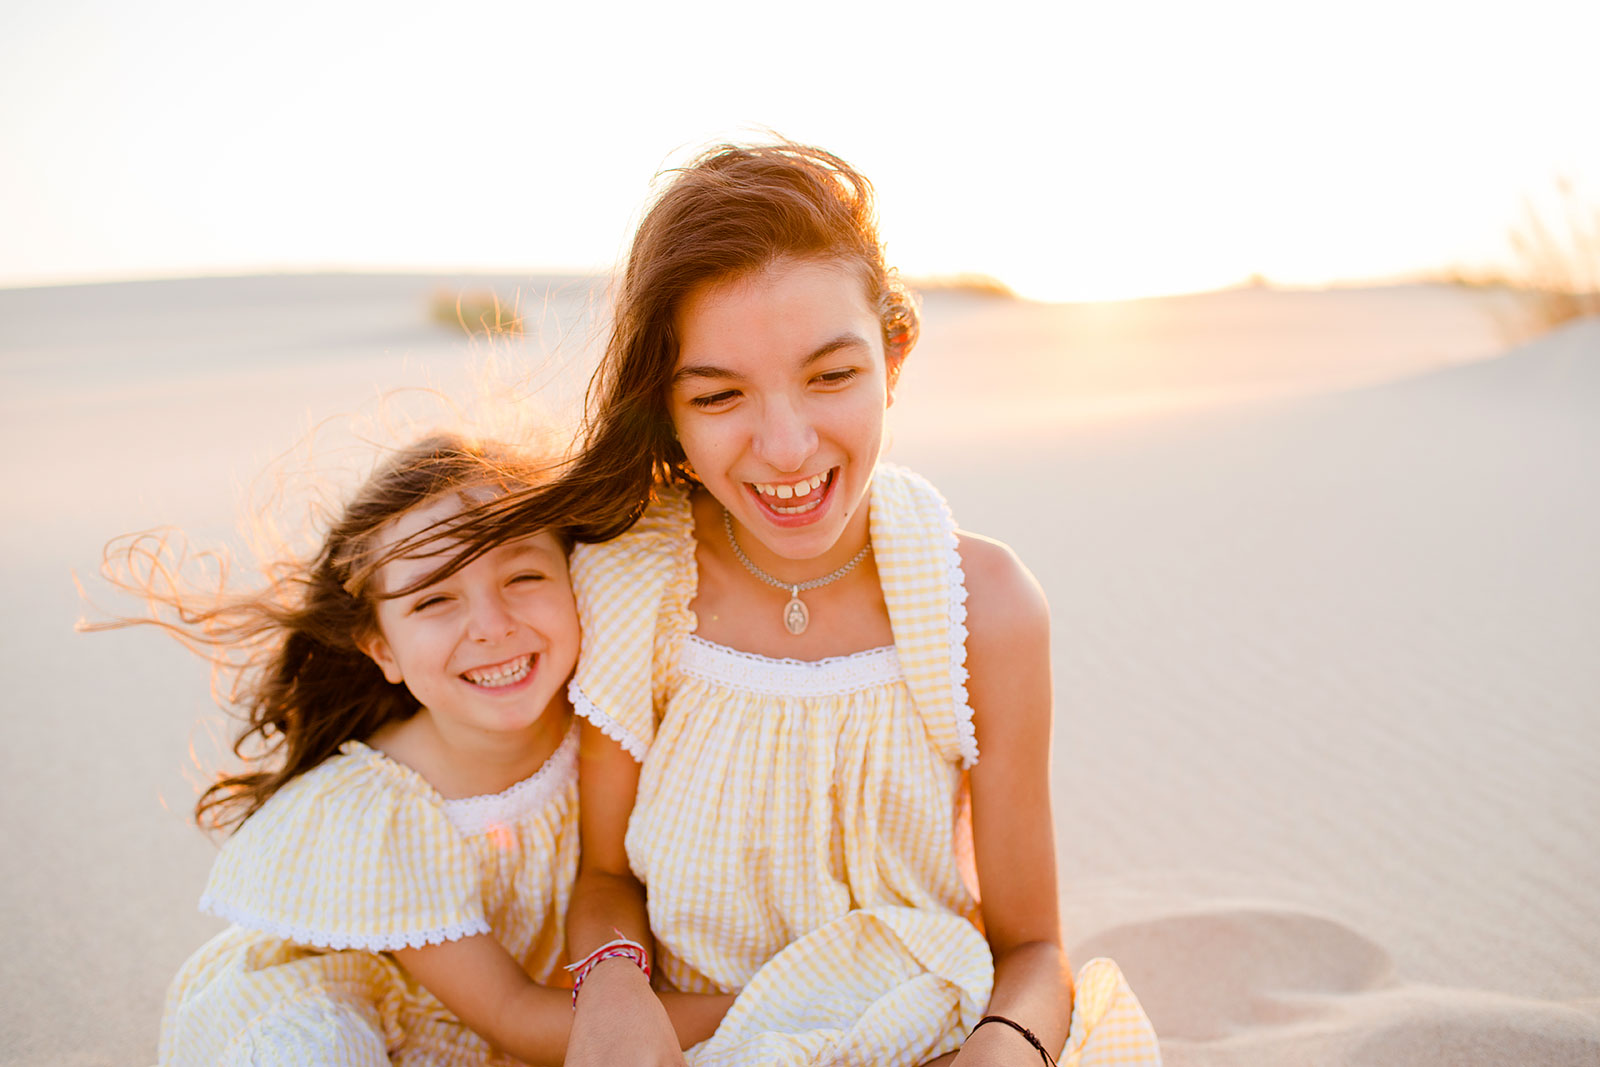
(1325, 602)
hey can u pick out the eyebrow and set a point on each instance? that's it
(715, 373)
(516, 551)
(529, 548)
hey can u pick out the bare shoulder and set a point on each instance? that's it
(1008, 661)
(1004, 600)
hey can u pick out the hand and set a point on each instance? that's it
(620, 1022)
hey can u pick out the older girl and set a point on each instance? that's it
(815, 765)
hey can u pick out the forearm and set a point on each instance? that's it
(695, 1016)
(1032, 987)
(478, 980)
(604, 903)
(533, 1024)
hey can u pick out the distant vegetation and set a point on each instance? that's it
(478, 312)
(1555, 276)
(977, 284)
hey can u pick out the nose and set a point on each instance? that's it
(786, 437)
(490, 621)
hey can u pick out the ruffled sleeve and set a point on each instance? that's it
(633, 598)
(915, 545)
(356, 853)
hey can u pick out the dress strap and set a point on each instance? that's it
(633, 595)
(914, 543)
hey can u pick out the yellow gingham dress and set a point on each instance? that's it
(358, 856)
(801, 827)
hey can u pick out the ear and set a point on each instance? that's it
(901, 325)
(379, 652)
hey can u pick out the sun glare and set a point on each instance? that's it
(1072, 154)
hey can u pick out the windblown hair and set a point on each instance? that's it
(729, 213)
(290, 650)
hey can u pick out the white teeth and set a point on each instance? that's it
(792, 489)
(506, 674)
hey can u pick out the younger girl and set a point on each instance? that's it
(405, 838)
(816, 758)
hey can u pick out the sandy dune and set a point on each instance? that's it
(1325, 592)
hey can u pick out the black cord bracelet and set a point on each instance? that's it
(1049, 1060)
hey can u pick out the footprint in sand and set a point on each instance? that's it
(1257, 986)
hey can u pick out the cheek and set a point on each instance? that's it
(566, 635)
(867, 411)
(682, 424)
(702, 440)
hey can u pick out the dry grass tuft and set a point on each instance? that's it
(1555, 276)
(1561, 260)
(476, 313)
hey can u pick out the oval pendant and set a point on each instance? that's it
(795, 617)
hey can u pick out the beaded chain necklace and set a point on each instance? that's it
(796, 616)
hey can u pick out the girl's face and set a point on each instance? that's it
(487, 649)
(778, 400)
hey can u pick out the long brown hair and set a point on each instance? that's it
(732, 211)
(289, 652)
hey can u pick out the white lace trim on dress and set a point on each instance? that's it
(582, 705)
(305, 935)
(474, 815)
(966, 734)
(835, 676)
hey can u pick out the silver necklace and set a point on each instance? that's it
(796, 617)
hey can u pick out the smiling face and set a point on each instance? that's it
(778, 401)
(488, 649)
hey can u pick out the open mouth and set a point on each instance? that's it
(500, 675)
(797, 497)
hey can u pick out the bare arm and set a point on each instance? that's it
(478, 980)
(620, 1020)
(1008, 657)
(607, 897)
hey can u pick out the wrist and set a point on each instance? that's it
(620, 950)
(615, 971)
(997, 1034)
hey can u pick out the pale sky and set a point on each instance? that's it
(1075, 151)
